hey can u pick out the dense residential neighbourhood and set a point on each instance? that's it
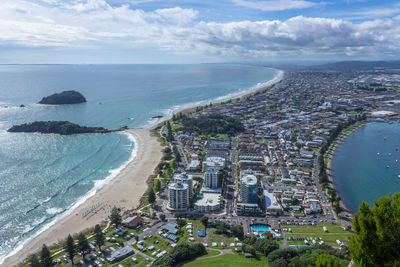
(248, 170)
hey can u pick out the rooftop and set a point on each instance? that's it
(177, 186)
(270, 201)
(249, 179)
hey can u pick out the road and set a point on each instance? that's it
(230, 192)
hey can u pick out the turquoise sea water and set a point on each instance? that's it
(366, 165)
(43, 176)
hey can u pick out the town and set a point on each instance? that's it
(250, 169)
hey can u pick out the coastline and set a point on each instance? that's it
(329, 165)
(191, 107)
(125, 189)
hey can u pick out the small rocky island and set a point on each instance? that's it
(56, 127)
(66, 97)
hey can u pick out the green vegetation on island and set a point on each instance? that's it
(66, 97)
(212, 125)
(55, 127)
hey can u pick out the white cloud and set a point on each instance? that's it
(96, 24)
(371, 13)
(275, 5)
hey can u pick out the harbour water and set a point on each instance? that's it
(43, 176)
(366, 165)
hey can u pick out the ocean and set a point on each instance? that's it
(42, 177)
(366, 165)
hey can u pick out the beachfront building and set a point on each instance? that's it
(212, 178)
(120, 254)
(132, 221)
(248, 187)
(185, 178)
(210, 202)
(178, 196)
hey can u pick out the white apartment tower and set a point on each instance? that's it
(178, 196)
(185, 178)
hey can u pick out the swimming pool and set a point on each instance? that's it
(259, 229)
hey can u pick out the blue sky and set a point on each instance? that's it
(186, 31)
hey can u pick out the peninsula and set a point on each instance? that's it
(55, 127)
(66, 97)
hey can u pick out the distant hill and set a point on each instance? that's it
(358, 65)
(66, 97)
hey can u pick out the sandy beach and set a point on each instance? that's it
(123, 191)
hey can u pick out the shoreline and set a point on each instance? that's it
(142, 166)
(191, 107)
(124, 191)
(329, 165)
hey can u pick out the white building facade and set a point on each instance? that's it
(178, 196)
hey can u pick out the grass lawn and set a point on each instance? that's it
(128, 262)
(291, 243)
(315, 229)
(210, 253)
(200, 226)
(176, 127)
(144, 263)
(327, 238)
(147, 252)
(219, 240)
(135, 231)
(163, 244)
(213, 234)
(229, 260)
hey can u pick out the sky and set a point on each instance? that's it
(202, 31)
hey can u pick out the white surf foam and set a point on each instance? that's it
(98, 185)
(113, 173)
(240, 92)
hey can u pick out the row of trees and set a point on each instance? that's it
(323, 176)
(223, 228)
(81, 246)
(72, 249)
(319, 256)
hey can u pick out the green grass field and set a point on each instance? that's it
(335, 232)
(329, 239)
(211, 253)
(315, 229)
(229, 260)
(219, 240)
(162, 244)
(213, 234)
